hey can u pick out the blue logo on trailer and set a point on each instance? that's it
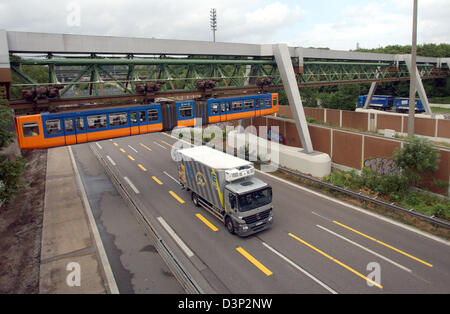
(213, 179)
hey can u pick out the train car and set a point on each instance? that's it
(402, 105)
(378, 102)
(68, 128)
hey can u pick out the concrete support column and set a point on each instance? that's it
(419, 85)
(284, 64)
(5, 71)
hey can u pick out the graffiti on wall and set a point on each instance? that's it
(381, 165)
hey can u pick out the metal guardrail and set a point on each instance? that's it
(366, 198)
(183, 277)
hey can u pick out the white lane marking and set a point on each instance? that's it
(111, 281)
(110, 160)
(175, 237)
(323, 217)
(171, 177)
(366, 249)
(98, 145)
(299, 268)
(132, 149)
(131, 185)
(160, 145)
(361, 210)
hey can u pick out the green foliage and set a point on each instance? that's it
(6, 122)
(10, 170)
(391, 185)
(425, 50)
(395, 188)
(416, 158)
(10, 177)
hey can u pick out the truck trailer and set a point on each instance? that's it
(226, 186)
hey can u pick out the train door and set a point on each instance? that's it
(80, 130)
(134, 122)
(69, 131)
(223, 112)
(259, 106)
(199, 111)
(142, 120)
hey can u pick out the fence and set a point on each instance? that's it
(439, 129)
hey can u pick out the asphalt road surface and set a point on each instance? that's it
(315, 245)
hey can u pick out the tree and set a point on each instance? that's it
(11, 168)
(416, 158)
(6, 121)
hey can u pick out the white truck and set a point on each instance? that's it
(226, 186)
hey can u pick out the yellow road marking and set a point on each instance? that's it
(156, 180)
(254, 261)
(336, 261)
(166, 143)
(179, 199)
(206, 222)
(142, 167)
(115, 144)
(122, 150)
(131, 157)
(382, 243)
(145, 146)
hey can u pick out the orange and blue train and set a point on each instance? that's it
(58, 129)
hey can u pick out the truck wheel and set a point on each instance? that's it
(229, 225)
(195, 199)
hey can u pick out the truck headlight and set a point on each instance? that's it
(270, 218)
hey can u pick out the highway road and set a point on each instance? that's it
(315, 245)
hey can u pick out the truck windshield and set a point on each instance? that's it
(255, 199)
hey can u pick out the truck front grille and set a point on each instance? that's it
(257, 217)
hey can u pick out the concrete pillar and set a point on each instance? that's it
(284, 64)
(419, 85)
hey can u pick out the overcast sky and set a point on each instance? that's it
(337, 24)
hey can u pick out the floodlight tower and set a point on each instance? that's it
(213, 21)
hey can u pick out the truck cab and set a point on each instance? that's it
(250, 206)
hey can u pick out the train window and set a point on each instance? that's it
(275, 101)
(68, 125)
(96, 122)
(133, 117)
(237, 105)
(186, 112)
(153, 115)
(30, 129)
(222, 107)
(118, 119)
(80, 124)
(249, 104)
(141, 116)
(268, 103)
(228, 107)
(53, 126)
(214, 108)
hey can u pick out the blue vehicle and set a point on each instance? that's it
(378, 102)
(402, 105)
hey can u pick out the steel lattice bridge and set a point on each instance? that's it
(99, 69)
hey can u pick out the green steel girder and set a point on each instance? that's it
(181, 73)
